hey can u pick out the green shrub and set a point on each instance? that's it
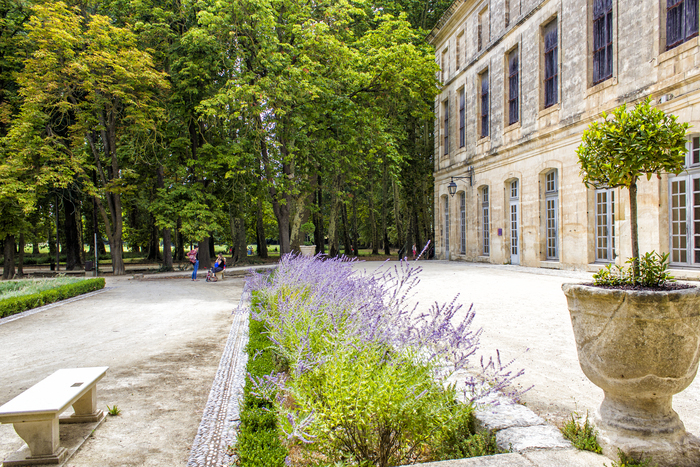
(652, 272)
(17, 304)
(582, 436)
(628, 461)
(459, 439)
(259, 439)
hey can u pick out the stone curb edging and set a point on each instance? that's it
(217, 430)
(9, 319)
(519, 429)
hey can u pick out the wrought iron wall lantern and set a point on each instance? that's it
(452, 186)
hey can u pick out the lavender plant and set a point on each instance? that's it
(368, 375)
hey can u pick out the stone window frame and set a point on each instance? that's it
(459, 50)
(483, 22)
(462, 112)
(543, 52)
(664, 11)
(591, 43)
(508, 121)
(445, 65)
(446, 127)
(483, 103)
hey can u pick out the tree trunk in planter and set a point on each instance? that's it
(641, 348)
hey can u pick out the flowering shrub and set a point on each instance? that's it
(367, 378)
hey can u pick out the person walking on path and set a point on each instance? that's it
(414, 251)
(193, 255)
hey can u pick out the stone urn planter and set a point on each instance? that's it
(641, 348)
(308, 250)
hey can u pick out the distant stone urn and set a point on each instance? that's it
(641, 348)
(307, 250)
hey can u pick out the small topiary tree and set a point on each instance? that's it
(616, 151)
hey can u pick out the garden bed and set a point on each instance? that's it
(342, 372)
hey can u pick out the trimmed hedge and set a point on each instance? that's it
(14, 305)
(259, 443)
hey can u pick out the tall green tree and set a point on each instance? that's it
(90, 103)
(627, 144)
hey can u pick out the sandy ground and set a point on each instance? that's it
(162, 341)
(524, 315)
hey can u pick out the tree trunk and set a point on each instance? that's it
(238, 234)
(319, 236)
(260, 231)
(212, 247)
(346, 235)
(397, 214)
(167, 237)
(35, 248)
(8, 269)
(385, 233)
(634, 233)
(179, 241)
(355, 234)
(72, 245)
(153, 241)
(52, 247)
(113, 229)
(167, 250)
(333, 248)
(204, 253)
(20, 258)
(373, 224)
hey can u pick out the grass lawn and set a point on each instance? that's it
(26, 287)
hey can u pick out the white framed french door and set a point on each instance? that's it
(514, 212)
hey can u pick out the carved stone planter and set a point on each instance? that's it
(641, 348)
(307, 250)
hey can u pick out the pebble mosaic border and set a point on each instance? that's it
(219, 426)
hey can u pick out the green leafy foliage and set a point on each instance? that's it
(18, 304)
(114, 410)
(643, 141)
(258, 443)
(459, 439)
(652, 272)
(581, 435)
(627, 461)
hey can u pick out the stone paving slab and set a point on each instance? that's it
(566, 458)
(500, 460)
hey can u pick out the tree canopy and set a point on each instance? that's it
(204, 119)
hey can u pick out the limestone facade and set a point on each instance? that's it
(522, 79)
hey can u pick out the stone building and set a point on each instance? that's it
(522, 79)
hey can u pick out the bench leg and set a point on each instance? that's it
(85, 409)
(42, 439)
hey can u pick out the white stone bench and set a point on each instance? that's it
(35, 413)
